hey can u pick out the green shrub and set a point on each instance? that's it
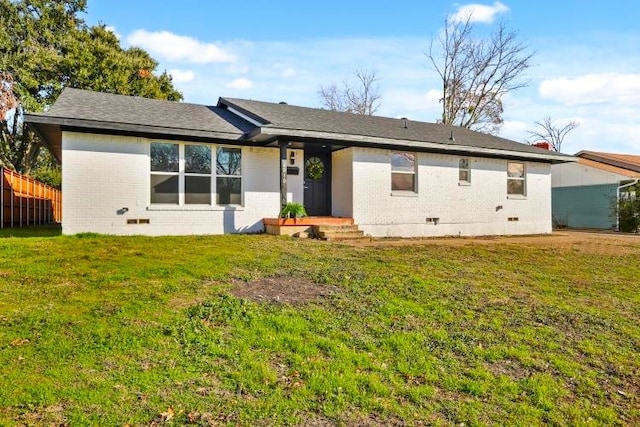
(628, 210)
(293, 210)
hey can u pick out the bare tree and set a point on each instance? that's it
(364, 98)
(477, 73)
(552, 133)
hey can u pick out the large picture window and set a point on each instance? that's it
(516, 179)
(183, 174)
(403, 171)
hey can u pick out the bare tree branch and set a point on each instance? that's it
(550, 132)
(363, 98)
(477, 73)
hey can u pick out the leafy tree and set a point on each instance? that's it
(363, 98)
(96, 61)
(44, 47)
(476, 73)
(551, 132)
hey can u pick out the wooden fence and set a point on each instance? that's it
(25, 201)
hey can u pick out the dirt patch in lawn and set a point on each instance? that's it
(283, 290)
(590, 242)
(46, 416)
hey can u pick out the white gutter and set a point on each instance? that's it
(631, 184)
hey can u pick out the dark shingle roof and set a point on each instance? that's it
(131, 115)
(261, 123)
(289, 117)
(104, 107)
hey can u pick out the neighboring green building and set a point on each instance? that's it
(584, 193)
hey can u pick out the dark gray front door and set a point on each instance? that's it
(317, 183)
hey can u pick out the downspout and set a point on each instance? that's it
(631, 184)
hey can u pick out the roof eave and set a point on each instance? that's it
(159, 131)
(363, 140)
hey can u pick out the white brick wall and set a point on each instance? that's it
(481, 208)
(104, 173)
(342, 183)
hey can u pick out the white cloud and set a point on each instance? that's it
(622, 89)
(113, 30)
(182, 76)
(173, 47)
(241, 83)
(288, 72)
(478, 12)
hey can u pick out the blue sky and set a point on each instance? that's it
(586, 63)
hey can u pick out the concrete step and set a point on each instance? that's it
(354, 235)
(333, 228)
(338, 232)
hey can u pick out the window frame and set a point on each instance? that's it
(163, 173)
(467, 170)
(239, 176)
(413, 172)
(523, 178)
(186, 175)
(182, 175)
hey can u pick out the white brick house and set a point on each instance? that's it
(137, 166)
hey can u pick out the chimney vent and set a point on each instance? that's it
(542, 144)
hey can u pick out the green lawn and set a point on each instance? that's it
(98, 330)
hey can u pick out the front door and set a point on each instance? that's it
(317, 183)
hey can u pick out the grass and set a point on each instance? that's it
(136, 330)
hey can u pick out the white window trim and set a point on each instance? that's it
(181, 173)
(405, 193)
(523, 179)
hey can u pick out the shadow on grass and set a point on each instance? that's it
(50, 230)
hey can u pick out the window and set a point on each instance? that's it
(464, 171)
(229, 176)
(403, 172)
(182, 174)
(197, 174)
(516, 179)
(165, 162)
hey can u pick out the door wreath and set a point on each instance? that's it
(315, 168)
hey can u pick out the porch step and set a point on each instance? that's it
(338, 232)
